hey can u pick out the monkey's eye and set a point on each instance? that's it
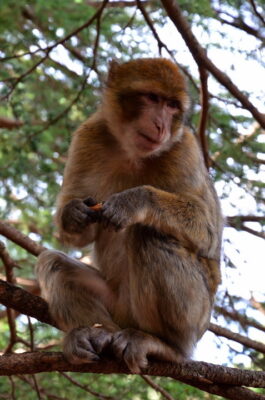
(153, 97)
(173, 104)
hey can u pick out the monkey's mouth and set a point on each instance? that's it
(146, 142)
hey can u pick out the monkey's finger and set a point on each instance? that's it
(119, 344)
(100, 339)
(92, 216)
(89, 201)
(86, 356)
(79, 354)
(85, 348)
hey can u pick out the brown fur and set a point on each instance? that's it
(161, 265)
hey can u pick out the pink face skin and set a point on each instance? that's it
(152, 130)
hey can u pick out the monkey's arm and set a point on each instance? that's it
(187, 217)
(76, 222)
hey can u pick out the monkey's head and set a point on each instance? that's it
(144, 104)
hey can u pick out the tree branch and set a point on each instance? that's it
(22, 240)
(206, 376)
(10, 123)
(241, 318)
(245, 341)
(157, 387)
(238, 23)
(24, 302)
(258, 14)
(238, 219)
(253, 232)
(117, 4)
(175, 14)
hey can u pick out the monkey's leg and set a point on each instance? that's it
(80, 301)
(169, 300)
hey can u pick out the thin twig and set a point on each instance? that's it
(245, 341)
(157, 387)
(244, 320)
(261, 18)
(50, 48)
(153, 30)
(175, 14)
(86, 388)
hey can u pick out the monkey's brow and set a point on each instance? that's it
(163, 96)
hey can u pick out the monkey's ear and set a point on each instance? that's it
(113, 68)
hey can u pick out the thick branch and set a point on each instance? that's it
(22, 301)
(175, 14)
(191, 372)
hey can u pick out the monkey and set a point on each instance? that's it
(156, 239)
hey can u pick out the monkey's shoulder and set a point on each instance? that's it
(95, 127)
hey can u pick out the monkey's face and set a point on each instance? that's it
(153, 128)
(144, 104)
(146, 123)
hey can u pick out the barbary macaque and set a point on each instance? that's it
(156, 237)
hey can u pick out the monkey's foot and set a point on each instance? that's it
(135, 346)
(84, 344)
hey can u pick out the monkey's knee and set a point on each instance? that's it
(49, 264)
(49, 261)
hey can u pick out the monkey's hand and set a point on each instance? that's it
(135, 346)
(76, 215)
(84, 344)
(125, 208)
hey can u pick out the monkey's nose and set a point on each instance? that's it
(159, 125)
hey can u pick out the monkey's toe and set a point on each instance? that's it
(130, 345)
(84, 344)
